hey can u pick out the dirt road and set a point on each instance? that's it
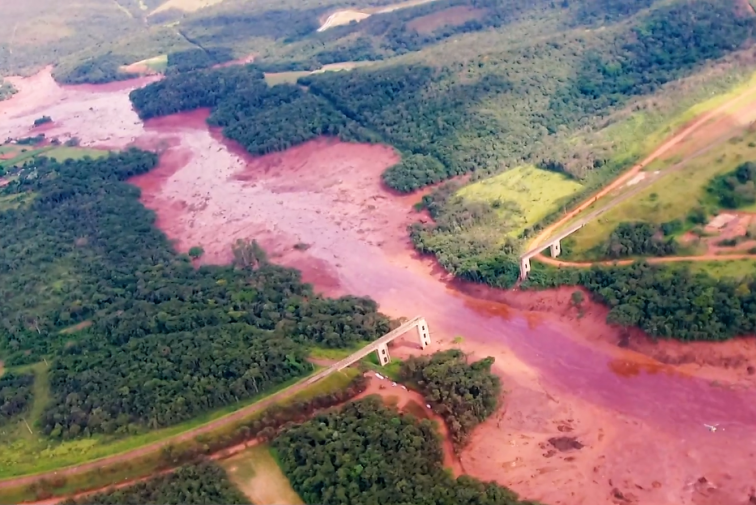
(627, 176)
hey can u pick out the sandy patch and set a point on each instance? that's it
(343, 17)
(184, 5)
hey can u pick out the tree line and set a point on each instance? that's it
(137, 337)
(203, 483)
(464, 394)
(7, 90)
(639, 239)
(369, 454)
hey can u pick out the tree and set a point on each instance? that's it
(577, 298)
(196, 252)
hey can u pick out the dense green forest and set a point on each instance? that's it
(367, 453)
(15, 394)
(666, 301)
(463, 393)
(138, 337)
(639, 239)
(735, 189)
(201, 484)
(261, 118)
(197, 58)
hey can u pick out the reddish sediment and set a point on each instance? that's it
(641, 421)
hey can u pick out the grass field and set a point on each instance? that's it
(536, 192)
(736, 269)
(257, 474)
(673, 196)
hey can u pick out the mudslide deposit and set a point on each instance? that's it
(642, 436)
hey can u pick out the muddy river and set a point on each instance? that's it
(643, 433)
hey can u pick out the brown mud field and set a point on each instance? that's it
(641, 424)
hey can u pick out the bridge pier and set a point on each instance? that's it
(556, 248)
(383, 355)
(524, 268)
(423, 333)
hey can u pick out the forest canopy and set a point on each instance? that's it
(464, 394)
(137, 337)
(367, 453)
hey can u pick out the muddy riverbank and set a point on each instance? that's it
(321, 207)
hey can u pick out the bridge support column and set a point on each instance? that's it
(556, 248)
(383, 355)
(524, 268)
(423, 333)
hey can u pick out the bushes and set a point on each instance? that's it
(463, 394)
(639, 239)
(737, 188)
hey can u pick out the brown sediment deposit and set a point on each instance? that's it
(642, 422)
(97, 115)
(639, 426)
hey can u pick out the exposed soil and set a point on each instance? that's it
(343, 17)
(103, 118)
(642, 422)
(452, 16)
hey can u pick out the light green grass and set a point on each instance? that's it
(736, 269)
(335, 354)
(673, 196)
(536, 192)
(256, 472)
(75, 153)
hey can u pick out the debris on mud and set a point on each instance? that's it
(564, 444)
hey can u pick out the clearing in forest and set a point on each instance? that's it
(257, 474)
(274, 78)
(536, 192)
(346, 16)
(150, 65)
(184, 5)
(453, 16)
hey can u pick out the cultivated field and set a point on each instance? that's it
(257, 474)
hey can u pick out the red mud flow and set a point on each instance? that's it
(641, 427)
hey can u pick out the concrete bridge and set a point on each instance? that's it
(380, 346)
(554, 244)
